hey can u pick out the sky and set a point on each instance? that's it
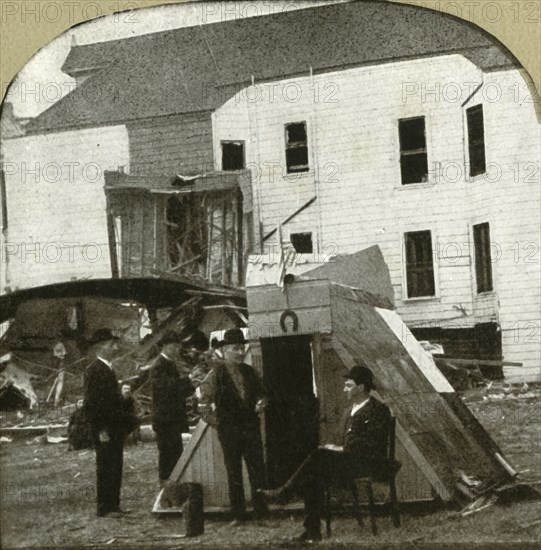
(41, 82)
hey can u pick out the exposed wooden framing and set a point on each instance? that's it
(224, 240)
(240, 241)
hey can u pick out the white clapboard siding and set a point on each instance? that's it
(352, 120)
(57, 226)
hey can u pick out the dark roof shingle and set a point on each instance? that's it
(198, 68)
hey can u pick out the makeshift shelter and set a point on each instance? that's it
(304, 336)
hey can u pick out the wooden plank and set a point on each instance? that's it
(301, 294)
(200, 430)
(267, 324)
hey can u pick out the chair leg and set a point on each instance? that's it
(327, 491)
(372, 507)
(356, 505)
(395, 512)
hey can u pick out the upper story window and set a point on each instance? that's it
(296, 147)
(483, 263)
(413, 155)
(476, 140)
(419, 264)
(233, 155)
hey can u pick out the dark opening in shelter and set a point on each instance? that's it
(291, 421)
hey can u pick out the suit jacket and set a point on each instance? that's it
(218, 388)
(169, 394)
(366, 433)
(103, 404)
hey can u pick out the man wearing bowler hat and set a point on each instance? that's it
(104, 410)
(366, 431)
(234, 394)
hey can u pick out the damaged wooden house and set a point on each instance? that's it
(179, 152)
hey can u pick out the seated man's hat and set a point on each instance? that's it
(361, 375)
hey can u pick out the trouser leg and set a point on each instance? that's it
(232, 450)
(253, 454)
(116, 461)
(104, 478)
(169, 442)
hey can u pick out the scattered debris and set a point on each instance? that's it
(53, 439)
(479, 504)
(16, 391)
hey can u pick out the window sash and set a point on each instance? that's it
(296, 138)
(413, 151)
(419, 264)
(483, 260)
(476, 140)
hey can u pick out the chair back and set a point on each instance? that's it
(391, 444)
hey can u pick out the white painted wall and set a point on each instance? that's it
(352, 118)
(57, 226)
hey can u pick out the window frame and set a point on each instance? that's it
(476, 143)
(296, 145)
(405, 294)
(411, 152)
(235, 142)
(485, 263)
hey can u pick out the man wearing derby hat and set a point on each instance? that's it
(169, 393)
(235, 394)
(366, 430)
(104, 410)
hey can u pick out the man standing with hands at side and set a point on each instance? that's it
(233, 396)
(104, 411)
(169, 393)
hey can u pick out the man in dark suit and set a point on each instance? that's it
(234, 394)
(169, 394)
(365, 445)
(103, 409)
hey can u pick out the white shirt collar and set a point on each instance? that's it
(166, 356)
(358, 406)
(108, 363)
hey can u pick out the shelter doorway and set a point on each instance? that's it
(291, 419)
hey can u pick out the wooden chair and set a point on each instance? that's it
(386, 473)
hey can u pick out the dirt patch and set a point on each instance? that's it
(48, 499)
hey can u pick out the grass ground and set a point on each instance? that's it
(48, 500)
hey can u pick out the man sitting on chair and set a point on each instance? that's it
(366, 434)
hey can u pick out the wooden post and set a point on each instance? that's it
(224, 240)
(240, 243)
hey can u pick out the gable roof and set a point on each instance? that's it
(198, 68)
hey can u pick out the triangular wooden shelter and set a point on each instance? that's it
(303, 338)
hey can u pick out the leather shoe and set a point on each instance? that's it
(272, 494)
(122, 511)
(113, 514)
(307, 536)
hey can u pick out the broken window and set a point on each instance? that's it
(302, 242)
(476, 140)
(413, 155)
(419, 264)
(483, 265)
(296, 147)
(233, 155)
